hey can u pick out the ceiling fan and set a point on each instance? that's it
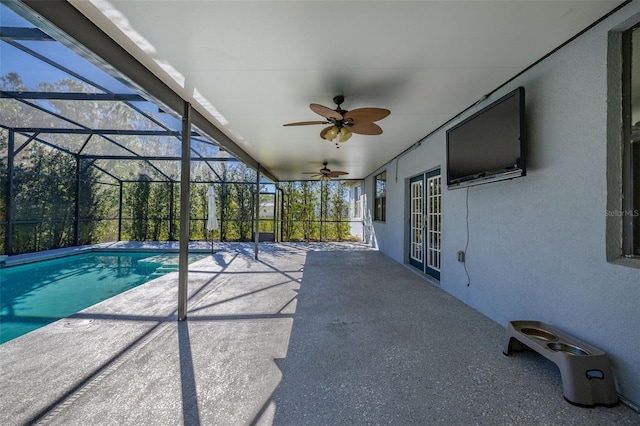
(325, 173)
(343, 123)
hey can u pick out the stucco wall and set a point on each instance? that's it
(537, 244)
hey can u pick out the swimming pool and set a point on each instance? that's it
(36, 294)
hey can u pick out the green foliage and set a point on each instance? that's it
(288, 202)
(147, 210)
(235, 201)
(159, 225)
(98, 208)
(46, 193)
(198, 215)
(338, 209)
(49, 195)
(136, 209)
(315, 211)
(147, 206)
(4, 175)
(243, 196)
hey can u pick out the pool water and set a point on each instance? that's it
(36, 294)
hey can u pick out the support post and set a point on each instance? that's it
(76, 227)
(185, 177)
(171, 218)
(223, 203)
(282, 213)
(256, 234)
(120, 213)
(10, 195)
(276, 216)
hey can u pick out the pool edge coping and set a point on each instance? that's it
(122, 246)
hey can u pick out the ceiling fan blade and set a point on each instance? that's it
(305, 123)
(365, 128)
(336, 174)
(366, 114)
(325, 111)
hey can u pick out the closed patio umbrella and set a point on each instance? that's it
(212, 220)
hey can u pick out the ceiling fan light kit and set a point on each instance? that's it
(344, 123)
(342, 133)
(331, 134)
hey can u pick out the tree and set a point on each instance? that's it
(307, 210)
(160, 194)
(45, 186)
(198, 202)
(289, 194)
(309, 207)
(243, 200)
(136, 201)
(339, 209)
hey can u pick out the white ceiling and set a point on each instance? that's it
(252, 66)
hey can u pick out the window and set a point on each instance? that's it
(380, 199)
(630, 212)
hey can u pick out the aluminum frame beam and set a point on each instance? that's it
(70, 25)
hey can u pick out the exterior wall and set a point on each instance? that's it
(537, 244)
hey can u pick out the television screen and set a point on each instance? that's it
(489, 145)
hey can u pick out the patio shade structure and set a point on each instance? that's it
(124, 123)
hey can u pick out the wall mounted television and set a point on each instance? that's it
(490, 145)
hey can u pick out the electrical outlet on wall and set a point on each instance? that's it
(461, 256)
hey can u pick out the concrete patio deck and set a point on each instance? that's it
(309, 334)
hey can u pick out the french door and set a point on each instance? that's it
(433, 222)
(416, 200)
(425, 222)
